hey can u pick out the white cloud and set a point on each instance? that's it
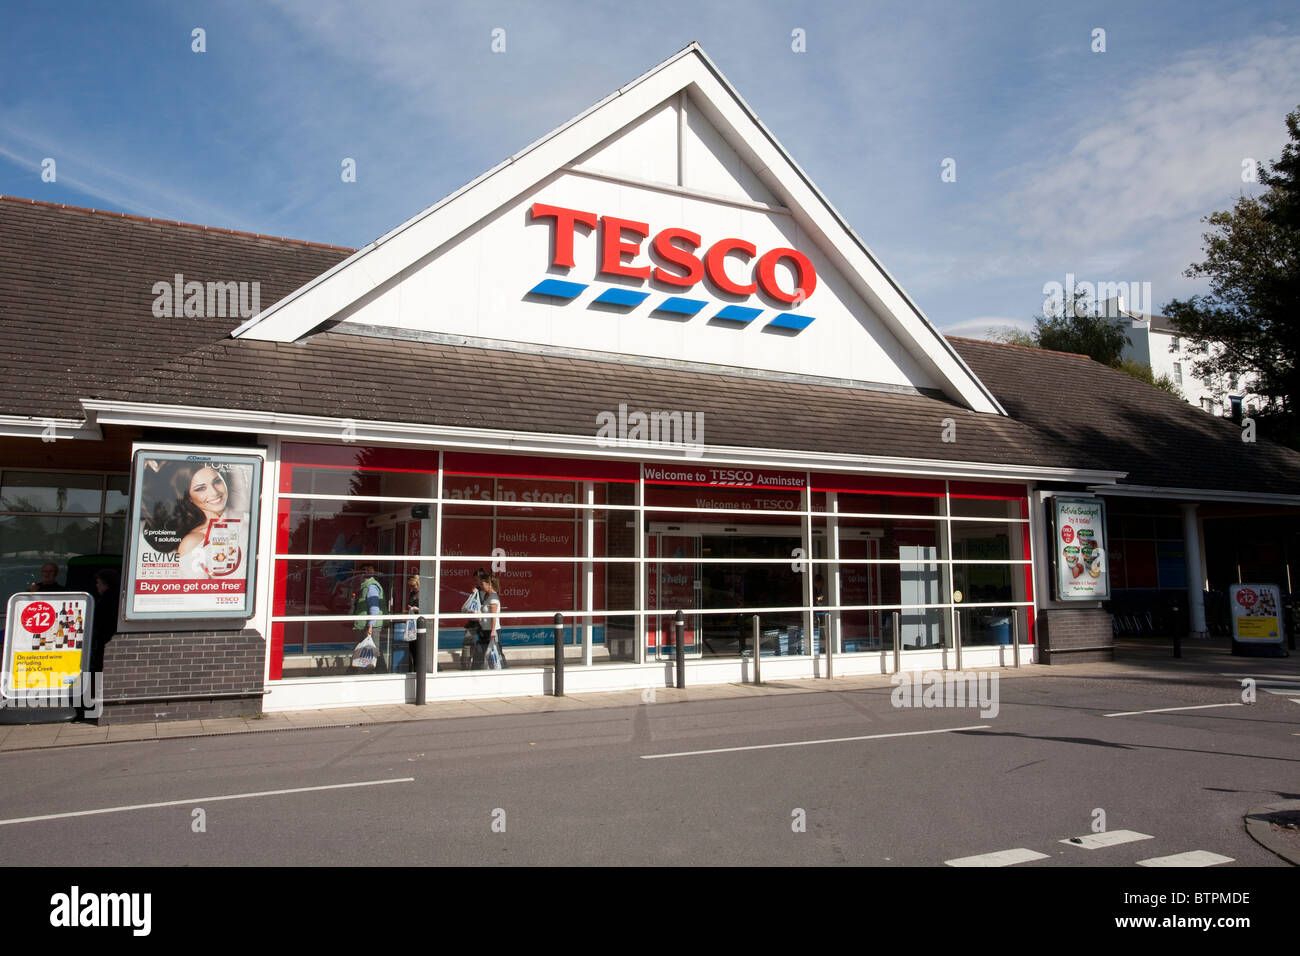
(80, 168)
(1169, 152)
(1116, 193)
(980, 328)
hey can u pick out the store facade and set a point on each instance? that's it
(658, 245)
(641, 367)
(803, 552)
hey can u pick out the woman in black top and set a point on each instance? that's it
(105, 619)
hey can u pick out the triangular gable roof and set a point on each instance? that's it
(690, 70)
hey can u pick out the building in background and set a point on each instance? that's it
(1155, 343)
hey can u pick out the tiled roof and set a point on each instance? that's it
(76, 295)
(1110, 420)
(346, 375)
(1162, 323)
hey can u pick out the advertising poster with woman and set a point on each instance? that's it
(193, 531)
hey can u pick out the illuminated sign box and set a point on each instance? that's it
(1080, 549)
(191, 549)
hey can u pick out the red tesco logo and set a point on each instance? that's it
(677, 247)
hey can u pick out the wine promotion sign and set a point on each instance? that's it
(192, 535)
(1081, 573)
(47, 638)
(1256, 613)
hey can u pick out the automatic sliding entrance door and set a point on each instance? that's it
(674, 586)
(729, 583)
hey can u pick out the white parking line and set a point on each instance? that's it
(810, 743)
(1261, 680)
(999, 858)
(227, 796)
(1165, 710)
(1095, 841)
(1191, 858)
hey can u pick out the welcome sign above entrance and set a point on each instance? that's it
(730, 477)
(621, 239)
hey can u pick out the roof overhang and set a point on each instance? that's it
(1196, 494)
(48, 429)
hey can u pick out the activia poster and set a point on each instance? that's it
(1081, 573)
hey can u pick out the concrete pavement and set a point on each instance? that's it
(1146, 658)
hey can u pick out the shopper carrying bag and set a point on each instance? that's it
(404, 633)
(471, 652)
(489, 625)
(368, 599)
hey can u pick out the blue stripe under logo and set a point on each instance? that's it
(791, 320)
(621, 297)
(739, 313)
(558, 289)
(681, 306)
(673, 305)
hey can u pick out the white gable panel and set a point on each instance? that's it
(675, 144)
(390, 283)
(710, 165)
(645, 151)
(479, 285)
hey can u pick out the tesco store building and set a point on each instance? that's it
(642, 366)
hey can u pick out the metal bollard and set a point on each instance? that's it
(421, 659)
(758, 652)
(1015, 636)
(559, 654)
(1176, 610)
(679, 632)
(826, 643)
(957, 636)
(898, 643)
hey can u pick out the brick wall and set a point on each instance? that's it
(174, 666)
(1075, 635)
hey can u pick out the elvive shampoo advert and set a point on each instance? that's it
(193, 534)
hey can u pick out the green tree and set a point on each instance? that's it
(1248, 324)
(1078, 328)
(1010, 335)
(1081, 330)
(1143, 373)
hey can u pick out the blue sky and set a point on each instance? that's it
(1067, 160)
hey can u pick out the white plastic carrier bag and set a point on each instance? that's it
(365, 654)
